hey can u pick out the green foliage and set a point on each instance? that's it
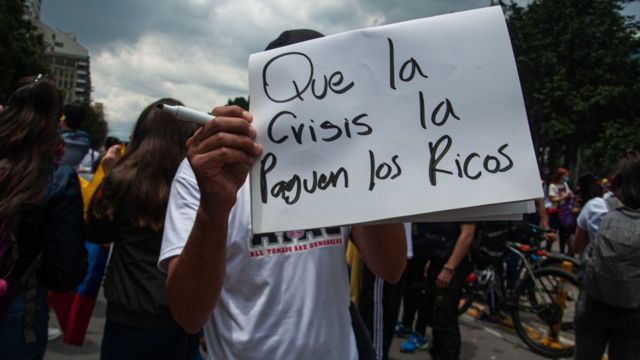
(578, 77)
(22, 54)
(240, 101)
(21, 47)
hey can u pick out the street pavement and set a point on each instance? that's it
(480, 340)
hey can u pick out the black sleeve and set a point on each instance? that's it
(64, 255)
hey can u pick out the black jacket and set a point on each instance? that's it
(56, 229)
(134, 287)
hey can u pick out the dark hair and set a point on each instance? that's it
(74, 115)
(110, 141)
(587, 187)
(626, 180)
(28, 139)
(137, 188)
(293, 36)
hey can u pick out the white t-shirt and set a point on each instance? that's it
(557, 190)
(591, 215)
(285, 295)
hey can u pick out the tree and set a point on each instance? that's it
(21, 48)
(240, 101)
(579, 79)
(95, 124)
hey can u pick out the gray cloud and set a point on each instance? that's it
(197, 50)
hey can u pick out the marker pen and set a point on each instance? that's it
(185, 114)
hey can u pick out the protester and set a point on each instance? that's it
(608, 308)
(559, 195)
(279, 305)
(85, 167)
(129, 209)
(446, 269)
(41, 224)
(77, 142)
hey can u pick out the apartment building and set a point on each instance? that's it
(68, 59)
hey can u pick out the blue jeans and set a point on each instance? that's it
(12, 338)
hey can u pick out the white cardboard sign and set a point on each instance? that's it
(391, 122)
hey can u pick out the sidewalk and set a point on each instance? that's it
(479, 341)
(58, 350)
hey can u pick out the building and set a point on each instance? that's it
(68, 62)
(68, 59)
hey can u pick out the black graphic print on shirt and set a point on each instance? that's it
(288, 242)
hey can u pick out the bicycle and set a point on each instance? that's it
(541, 304)
(536, 256)
(542, 258)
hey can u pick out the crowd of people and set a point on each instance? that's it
(174, 208)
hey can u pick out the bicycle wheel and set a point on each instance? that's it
(558, 260)
(543, 312)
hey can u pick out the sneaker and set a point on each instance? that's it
(53, 333)
(401, 330)
(415, 342)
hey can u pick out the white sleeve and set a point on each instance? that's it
(591, 215)
(184, 200)
(553, 190)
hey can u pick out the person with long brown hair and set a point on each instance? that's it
(41, 224)
(128, 210)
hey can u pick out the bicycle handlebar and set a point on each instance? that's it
(541, 229)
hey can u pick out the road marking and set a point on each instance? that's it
(493, 332)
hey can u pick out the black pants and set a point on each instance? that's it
(379, 306)
(563, 234)
(413, 289)
(441, 307)
(599, 324)
(362, 335)
(124, 342)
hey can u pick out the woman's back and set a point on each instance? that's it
(41, 218)
(128, 210)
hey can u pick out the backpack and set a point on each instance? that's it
(612, 266)
(489, 243)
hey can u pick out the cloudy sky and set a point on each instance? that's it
(197, 50)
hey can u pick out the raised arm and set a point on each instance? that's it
(220, 154)
(383, 249)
